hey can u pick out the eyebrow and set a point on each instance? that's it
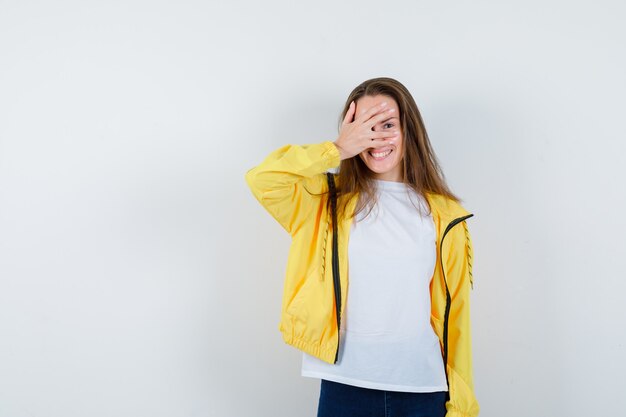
(391, 118)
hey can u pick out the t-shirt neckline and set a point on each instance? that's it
(390, 185)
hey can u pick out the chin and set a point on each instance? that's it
(379, 167)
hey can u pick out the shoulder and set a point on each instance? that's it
(445, 206)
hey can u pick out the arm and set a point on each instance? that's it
(462, 401)
(278, 181)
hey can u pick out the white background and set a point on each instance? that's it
(138, 275)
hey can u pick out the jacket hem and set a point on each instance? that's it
(325, 354)
(452, 412)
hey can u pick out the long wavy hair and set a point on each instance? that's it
(421, 169)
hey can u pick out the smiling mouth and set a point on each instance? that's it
(379, 156)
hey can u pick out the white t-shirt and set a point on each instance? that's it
(386, 339)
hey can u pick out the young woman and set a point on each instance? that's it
(376, 293)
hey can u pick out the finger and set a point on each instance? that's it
(372, 111)
(349, 117)
(382, 116)
(383, 137)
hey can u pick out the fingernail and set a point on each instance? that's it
(383, 104)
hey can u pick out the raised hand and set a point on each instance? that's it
(356, 135)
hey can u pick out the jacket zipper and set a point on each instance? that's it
(337, 293)
(335, 260)
(448, 300)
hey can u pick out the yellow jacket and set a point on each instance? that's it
(291, 183)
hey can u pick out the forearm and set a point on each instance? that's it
(277, 182)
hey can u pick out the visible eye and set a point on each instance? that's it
(388, 124)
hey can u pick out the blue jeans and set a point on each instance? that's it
(343, 400)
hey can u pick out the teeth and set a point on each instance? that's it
(381, 154)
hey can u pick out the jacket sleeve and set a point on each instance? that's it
(463, 402)
(278, 182)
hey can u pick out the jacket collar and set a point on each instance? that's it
(444, 207)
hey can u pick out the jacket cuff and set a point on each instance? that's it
(331, 155)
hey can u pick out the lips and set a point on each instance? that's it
(379, 155)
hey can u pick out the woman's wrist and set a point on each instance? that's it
(342, 154)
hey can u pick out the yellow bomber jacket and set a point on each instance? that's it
(291, 184)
